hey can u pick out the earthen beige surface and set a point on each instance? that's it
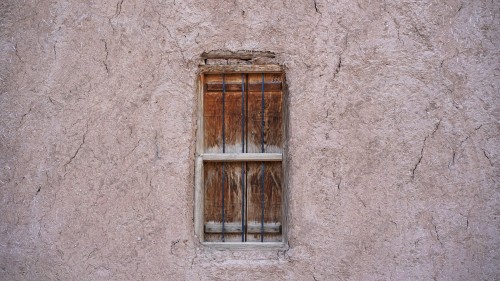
(393, 142)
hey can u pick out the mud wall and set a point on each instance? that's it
(393, 142)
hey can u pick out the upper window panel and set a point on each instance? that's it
(243, 113)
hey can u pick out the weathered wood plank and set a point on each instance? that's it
(243, 55)
(215, 199)
(199, 207)
(198, 192)
(219, 139)
(267, 68)
(236, 87)
(272, 186)
(234, 228)
(284, 164)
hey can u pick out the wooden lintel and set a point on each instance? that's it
(266, 68)
(242, 55)
(236, 87)
(241, 157)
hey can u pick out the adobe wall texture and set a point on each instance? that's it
(393, 144)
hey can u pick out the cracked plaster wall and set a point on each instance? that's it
(394, 138)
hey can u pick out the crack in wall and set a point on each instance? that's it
(466, 220)
(437, 233)
(468, 136)
(157, 148)
(176, 43)
(55, 51)
(133, 149)
(360, 200)
(337, 69)
(105, 61)
(172, 245)
(422, 150)
(316, 7)
(118, 11)
(487, 157)
(17, 53)
(118, 8)
(452, 161)
(455, 152)
(24, 115)
(79, 147)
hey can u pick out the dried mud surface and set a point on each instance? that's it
(393, 143)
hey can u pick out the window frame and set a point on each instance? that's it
(201, 157)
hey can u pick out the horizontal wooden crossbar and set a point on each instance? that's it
(241, 157)
(236, 87)
(232, 227)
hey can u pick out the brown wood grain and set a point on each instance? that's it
(253, 193)
(236, 87)
(273, 116)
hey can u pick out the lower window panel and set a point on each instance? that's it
(243, 202)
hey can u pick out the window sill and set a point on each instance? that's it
(246, 245)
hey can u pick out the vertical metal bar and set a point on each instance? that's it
(262, 165)
(262, 114)
(223, 148)
(223, 113)
(223, 195)
(246, 150)
(242, 113)
(247, 117)
(242, 151)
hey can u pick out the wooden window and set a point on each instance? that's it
(240, 192)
